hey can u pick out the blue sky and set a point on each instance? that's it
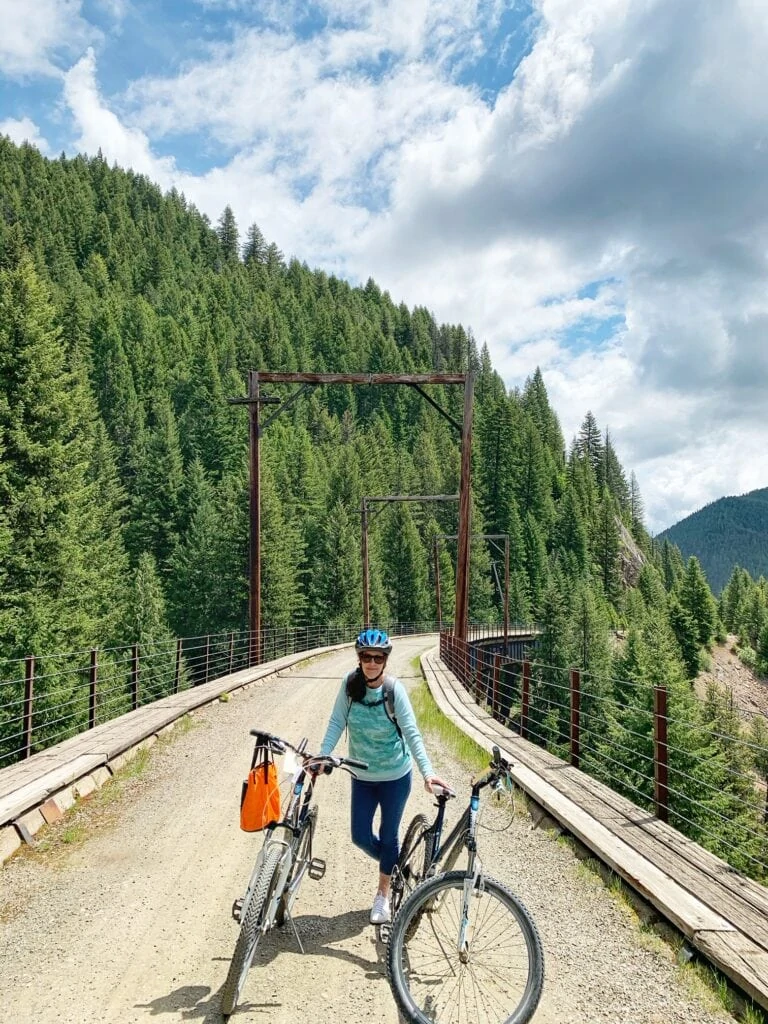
(583, 183)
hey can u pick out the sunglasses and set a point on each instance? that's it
(377, 659)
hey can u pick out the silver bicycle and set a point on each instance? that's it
(284, 859)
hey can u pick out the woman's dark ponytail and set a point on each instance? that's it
(356, 685)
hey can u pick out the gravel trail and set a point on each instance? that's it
(134, 923)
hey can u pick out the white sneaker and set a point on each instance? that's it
(380, 909)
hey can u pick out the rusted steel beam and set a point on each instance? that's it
(254, 650)
(525, 700)
(438, 600)
(465, 515)
(29, 692)
(660, 753)
(506, 595)
(270, 377)
(366, 515)
(134, 683)
(93, 680)
(416, 497)
(177, 667)
(436, 405)
(364, 552)
(575, 717)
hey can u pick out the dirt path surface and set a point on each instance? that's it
(134, 923)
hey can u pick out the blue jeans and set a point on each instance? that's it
(391, 797)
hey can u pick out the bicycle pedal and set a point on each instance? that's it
(384, 931)
(316, 868)
(237, 908)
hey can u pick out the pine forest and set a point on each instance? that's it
(127, 320)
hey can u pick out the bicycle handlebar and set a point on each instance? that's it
(279, 746)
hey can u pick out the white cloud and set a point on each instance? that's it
(35, 34)
(100, 128)
(24, 130)
(630, 147)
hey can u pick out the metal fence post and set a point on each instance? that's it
(495, 710)
(207, 656)
(177, 667)
(525, 700)
(575, 717)
(231, 652)
(29, 689)
(134, 677)
(660, 753)
(93, 678)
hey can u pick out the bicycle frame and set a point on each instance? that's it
(290, 826)
(464, 833)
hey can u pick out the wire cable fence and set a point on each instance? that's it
(46, 699)
(700, 763)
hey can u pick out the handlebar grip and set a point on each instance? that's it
(355, 764)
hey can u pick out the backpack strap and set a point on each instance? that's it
(389, 703)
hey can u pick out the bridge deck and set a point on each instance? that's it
(28, 784)
(722, 914)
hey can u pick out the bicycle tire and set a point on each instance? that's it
(413, 861)
(423, 944)
(250, 931)
(303, 853)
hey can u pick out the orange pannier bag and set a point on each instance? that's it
(260, 798)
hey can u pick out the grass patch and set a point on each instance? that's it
(433, 723)
(99, 809)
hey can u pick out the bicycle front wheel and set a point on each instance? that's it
(250, 931)
(496, 979)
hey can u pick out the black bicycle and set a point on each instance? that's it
(461, 946)
(284, 859)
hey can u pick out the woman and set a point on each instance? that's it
(387, 743)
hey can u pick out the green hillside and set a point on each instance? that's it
(126, 322)
(729, 532)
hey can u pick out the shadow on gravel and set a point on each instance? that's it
(196, 1002)
(190, 1002)
(318, 935)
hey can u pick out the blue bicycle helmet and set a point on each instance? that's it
(373, 640)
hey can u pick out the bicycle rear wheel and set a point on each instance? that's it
(412, 863)
(250, 931)
(497, 980)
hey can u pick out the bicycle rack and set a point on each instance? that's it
(316, 868)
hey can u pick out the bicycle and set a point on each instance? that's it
(283, 860)
(461, 946)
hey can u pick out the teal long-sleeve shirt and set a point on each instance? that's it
(373, 737)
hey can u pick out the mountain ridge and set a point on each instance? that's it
(731, 531)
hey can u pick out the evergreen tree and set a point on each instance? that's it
(606, 547)
(228, 236)
(405, 568)
(697, 601)
(589, 444)
(636, 509)
(50, 484)
(255, 249)
(154, 522)
(147, 624)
